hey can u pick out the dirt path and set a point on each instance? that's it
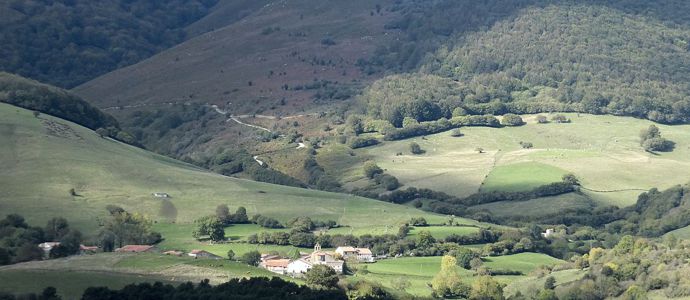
(236, 120)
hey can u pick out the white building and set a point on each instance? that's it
(318, 257)
(297, 267)
(549, 232)
(360, 254)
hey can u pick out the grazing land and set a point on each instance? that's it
(623, 169)
(71, 276)
(421, 270)
(40, 165)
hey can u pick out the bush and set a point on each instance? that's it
(512, 120)
(389, 182)
(371, 169)
(560, 119)
(456, 133)
(416, 149)
(361, 142)
(542, 119)
(251, 258)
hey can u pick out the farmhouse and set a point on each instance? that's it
(203, 254)
(279, 266)
(135, 248)
(360, 254)
(318, 257)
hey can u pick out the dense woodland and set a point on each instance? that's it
(530, 56)
(54, 101)
(68, 42)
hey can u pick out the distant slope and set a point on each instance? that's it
(310, 46)
(66, 43)
(586, 56)
(41, 159)
(44, 98)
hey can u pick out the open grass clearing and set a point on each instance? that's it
(115, 270)
(681, 233)
(544, 206)
(521, 177)
(603, 151)
(37, 170)
(528, 285)
(421, 270)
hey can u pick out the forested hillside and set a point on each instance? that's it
(44, 98)
(66, 43)
(596, 57)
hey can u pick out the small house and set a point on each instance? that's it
(161, 195)
(360, 254)
(279, 266)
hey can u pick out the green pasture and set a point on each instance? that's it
(42, 158)
(421, 270)
(537, 207)
(603, 151)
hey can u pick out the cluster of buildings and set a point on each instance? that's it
(297, 267)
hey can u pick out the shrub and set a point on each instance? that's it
(560, 119)
(251, 258)
(361, 142)
(416, 149)
(371, 169)
(541, 119)
(512, 120)
(456, 133)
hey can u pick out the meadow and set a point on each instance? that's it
(420, 270)
(42, 158)
(71, 276)
(603, 151)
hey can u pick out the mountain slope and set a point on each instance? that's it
(66, 43)
(41, 159)
(310, 46)
(600, 58)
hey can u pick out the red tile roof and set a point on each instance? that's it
(274, 263)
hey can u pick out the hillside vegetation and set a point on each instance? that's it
(452, 164)
(44, 98)
(66, 43)
(43, 157)
(584, 57)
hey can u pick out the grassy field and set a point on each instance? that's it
(537, 207)
(43, 158)
(610, 143)
(521, 177)
(421, 270)
(530, 284)
(682, 233)
(70, 285)
(72, 275)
